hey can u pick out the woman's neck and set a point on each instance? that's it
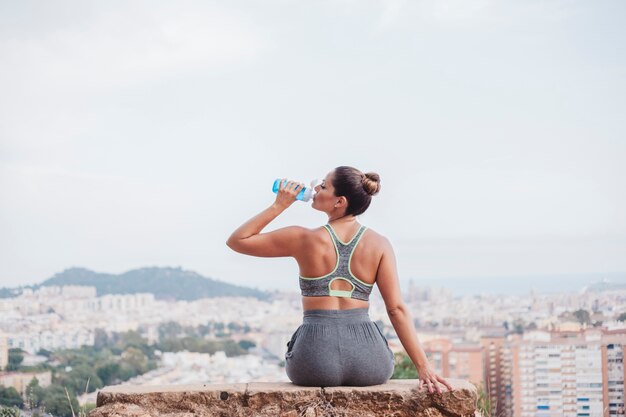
(342, 220)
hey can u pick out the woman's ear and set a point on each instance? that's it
(341, 202)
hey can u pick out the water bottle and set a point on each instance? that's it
(305, 194)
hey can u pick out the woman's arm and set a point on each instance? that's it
(389, 286)
(247, 239)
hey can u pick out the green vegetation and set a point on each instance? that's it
(582, 316)
(76, 371)
(175, 338)
(621, 317)
(9, 411)
(519, 326)
(113, 359)
(55, 400)
(404, 368)
(192, 344)
(10, 397)
(117, 359)
(16, 357)
(484, 405)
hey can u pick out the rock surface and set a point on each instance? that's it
(397, 398)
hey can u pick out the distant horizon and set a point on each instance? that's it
(458, 285)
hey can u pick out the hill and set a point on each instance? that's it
(164, 283)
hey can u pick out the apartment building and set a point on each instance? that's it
(614, 374)
(464, 361)
(65, 337)
(497, 373)
(20, 380)
(556, 374)
(4, 351)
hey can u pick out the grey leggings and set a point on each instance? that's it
(338, 347)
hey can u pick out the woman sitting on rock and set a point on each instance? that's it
(337, 343)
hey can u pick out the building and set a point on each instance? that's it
(462, 361)
(560, 373)
(466, 362)
(4, 352)
(20, 380)
(52, 339)
(497, 370)
(121, 302)
(614, 374)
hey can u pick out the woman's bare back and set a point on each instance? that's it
(318, 257)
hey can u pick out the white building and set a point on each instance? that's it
(52, 339)
(67, 291)
(121, 302)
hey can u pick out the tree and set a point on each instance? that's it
(100, 338)
(34, 394)
(203, 329)
(16, 357)
(404, 368)
(56, 403)
(171, 345)
(582, 316)
(234, 327)
(621, 317)
(246, 344)
(76, 379)
(170, 330)
(518, 326)
(135, 359)
(231, 348)
(44, 352)
(10, 397)
(9, 412)
(109, 373)
(133, 339)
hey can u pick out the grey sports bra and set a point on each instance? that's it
(320, 286)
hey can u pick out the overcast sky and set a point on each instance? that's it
(142, 133)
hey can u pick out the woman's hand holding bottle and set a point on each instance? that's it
(287, 193)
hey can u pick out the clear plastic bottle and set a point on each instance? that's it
(304, 195)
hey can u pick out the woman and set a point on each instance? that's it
(338, 344)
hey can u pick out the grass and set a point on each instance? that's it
(84, 409)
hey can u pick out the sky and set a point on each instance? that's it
(142, 133)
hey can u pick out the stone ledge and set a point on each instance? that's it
(397, 398)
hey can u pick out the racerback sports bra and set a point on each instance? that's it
(320, 286)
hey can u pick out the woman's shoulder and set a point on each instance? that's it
(377, 238)
(373, 237)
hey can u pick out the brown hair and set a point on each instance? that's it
(357, 187)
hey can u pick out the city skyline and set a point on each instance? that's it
(458, 286)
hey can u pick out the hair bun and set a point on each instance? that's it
(371, 183)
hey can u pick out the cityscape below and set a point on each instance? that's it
(539, 354)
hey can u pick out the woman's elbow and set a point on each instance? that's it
(397, 311)
(232, 243)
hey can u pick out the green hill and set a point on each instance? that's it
(164, 283)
